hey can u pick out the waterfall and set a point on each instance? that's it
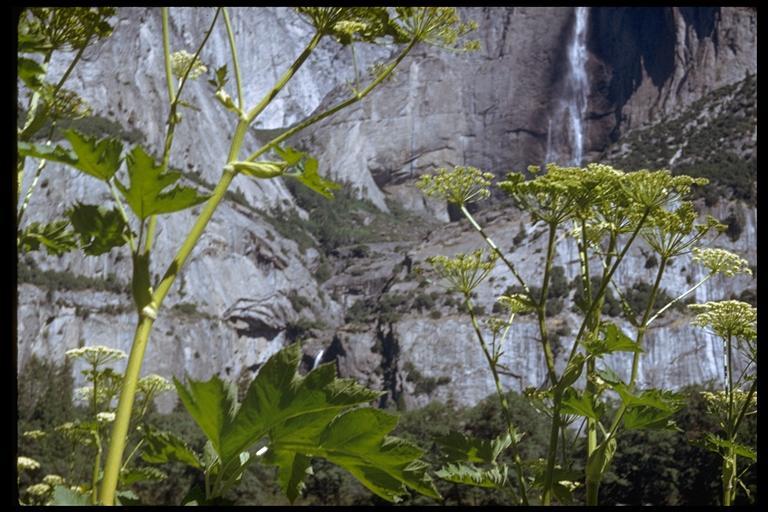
(572, 108)
(318, 358)
(579, 84)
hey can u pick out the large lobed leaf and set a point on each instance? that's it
(98, 158)
(55, 237)
(148, 194)
(357, 441)
(305, 417)
(279, 394)
(99, 229)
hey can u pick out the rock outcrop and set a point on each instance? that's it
(248, 285)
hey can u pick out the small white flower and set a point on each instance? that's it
(25, 463)
(154, 383)
(97, 355)
(183, 60)
(105, 417)
(53, 480)
(39, 489)
(33, 434)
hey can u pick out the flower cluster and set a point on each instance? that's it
(727, 318)
(436, 26)
(53, 480)
(718, 402)
(27, 464)
(516, 303)
(105, 417)
(460, 186)
(33, 434)
(465, 271)
(96, 355)
(722, 261)
(152, 384)
(182, 61)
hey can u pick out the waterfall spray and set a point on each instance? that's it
(318, 359)
(578, 84)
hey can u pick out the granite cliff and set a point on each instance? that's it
(349, 285)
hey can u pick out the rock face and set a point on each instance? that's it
(247, 286)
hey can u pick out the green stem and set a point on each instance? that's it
(121, 209)
(549, 356)
(28, 195)
(729, 384)
(315, 119)
(34, 101)
(744, 408)
(494, 248)
(502, 400)
(167, 54)
(605, 281)
(235, 64)
(96, 469)
(131, 455)
(641, 329)
(552, 449)
(123, 414)
(267, 99)
(729, 476)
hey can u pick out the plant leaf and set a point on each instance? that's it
(613, 340)
(307, 171)
(30, 72)
(494, 478)
(161, 447)
(312, 180)
(580, 404)
(572, 372)
(600, 458)
(99, 229)
(99, 158)
(357, 441)
(131, 476)
(212, 404)
(715, 443)
(147, 194)
(458, 447)
(55, 237)
(48, 152)
(279, 394)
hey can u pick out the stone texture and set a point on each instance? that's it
(489, 110)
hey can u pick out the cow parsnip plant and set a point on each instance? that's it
(302, 417)
(92, 434)
(735, 323)
(607, 211)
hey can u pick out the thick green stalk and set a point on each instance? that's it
(551, 455)
(96, 468)
(123, 414)
(502, 400)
